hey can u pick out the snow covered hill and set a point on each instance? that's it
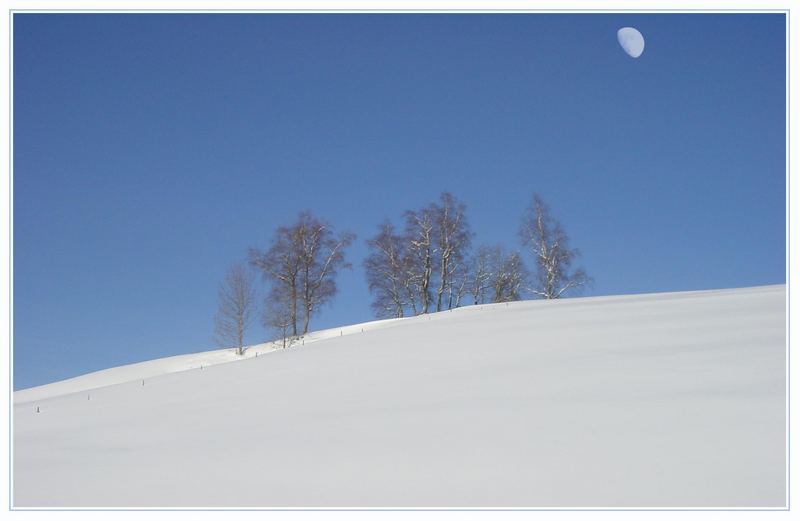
(663, 400)
(174, 364)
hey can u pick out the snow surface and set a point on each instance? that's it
(173, 364)
(662, 400)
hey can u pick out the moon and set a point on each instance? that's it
(631, 41)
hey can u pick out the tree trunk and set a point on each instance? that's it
(306, 318)
(294, 311)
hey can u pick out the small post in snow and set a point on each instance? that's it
(37, 408)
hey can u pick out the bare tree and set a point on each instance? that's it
(496, 276)
(459, 286)
(281, 265)
(508, 277)
(419, 235)
(302, 264)
(481, 273)
(277, 317)
(553, 258)
(321, 257)
(237, 304)
(451, 241)
(387, 273)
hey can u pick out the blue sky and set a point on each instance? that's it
(151, 151)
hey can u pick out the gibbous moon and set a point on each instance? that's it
(631, 40)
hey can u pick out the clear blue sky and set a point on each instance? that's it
(150, 151)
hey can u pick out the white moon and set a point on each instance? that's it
(631, 40)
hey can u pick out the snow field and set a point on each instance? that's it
(663, 400)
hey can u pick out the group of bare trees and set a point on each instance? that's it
(496, 276)
(429, 265)
(431, 261)
(300, 265)
(424, 266)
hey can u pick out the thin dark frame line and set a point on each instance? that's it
(10, 255)
(411, 11)
(788, 263)
(417, 509)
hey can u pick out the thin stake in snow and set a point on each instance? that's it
(37, 408)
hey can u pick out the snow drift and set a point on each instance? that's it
(663, 400)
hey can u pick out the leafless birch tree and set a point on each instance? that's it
(459, 286)
(281, 265)
(277, 317)
(388, 273)
(451, 241)
(419, 234)
(302, 264)
(237, 303)
(497, 276)
(321, 257)
(481, 273)
(508, 277)
(544, 237)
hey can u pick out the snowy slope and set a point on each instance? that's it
(174, 364)
(664, 400)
